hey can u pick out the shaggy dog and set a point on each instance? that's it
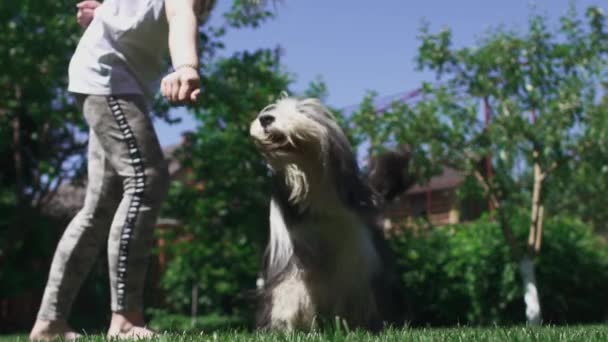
(326, 258)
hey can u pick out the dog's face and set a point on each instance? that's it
(292, 130)
(302, 141)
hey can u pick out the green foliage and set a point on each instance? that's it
(41, 135)
(464, 274)
(473, 266)
(39, 123)
(227, 221)
(28, 253)
(581, 187)
(251, 13)
(541, 91)
(41, 130)
(572, 271)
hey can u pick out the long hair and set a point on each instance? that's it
(320, 205)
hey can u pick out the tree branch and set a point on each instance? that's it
(503, 221)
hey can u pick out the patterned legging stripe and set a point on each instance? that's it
(134, 205)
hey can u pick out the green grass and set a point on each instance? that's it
(589, 333)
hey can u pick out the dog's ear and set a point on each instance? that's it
(388, 173)
(352, 189)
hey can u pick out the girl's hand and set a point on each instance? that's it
(86, 12)
(181, 86)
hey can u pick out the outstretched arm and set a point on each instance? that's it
(182, 85)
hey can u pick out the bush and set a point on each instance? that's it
(25, 268)
(573, 273)
(464, 274)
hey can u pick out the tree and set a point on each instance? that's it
(539, 92)
(42, 133)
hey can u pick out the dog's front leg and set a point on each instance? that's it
(292, 306)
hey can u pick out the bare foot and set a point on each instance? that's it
(51, 330)
(129, 325)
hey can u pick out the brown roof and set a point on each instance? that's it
(449, 179)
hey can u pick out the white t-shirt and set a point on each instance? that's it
(123, 50)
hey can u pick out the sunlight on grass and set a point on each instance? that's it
(547, 333)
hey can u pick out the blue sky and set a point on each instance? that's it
(356, 47)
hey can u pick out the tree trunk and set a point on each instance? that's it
(17, 228)
(526, 270)
(194, 304)
(526, 264)
(17, 159)
(536, 221)
(503, 222)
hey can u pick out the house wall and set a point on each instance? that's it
(440, 207)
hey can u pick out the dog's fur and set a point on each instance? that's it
(326, 257)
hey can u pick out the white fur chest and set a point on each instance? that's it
(340, 282)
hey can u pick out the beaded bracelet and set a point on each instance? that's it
(191, 66)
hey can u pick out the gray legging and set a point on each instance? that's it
(127, 182)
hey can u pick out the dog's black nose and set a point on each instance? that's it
(266, 120)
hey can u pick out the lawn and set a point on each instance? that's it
(547, 333)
